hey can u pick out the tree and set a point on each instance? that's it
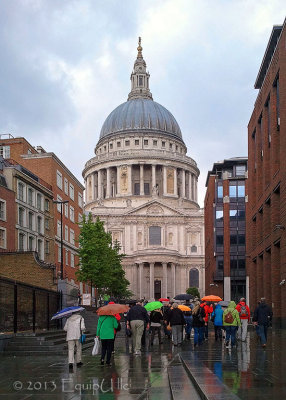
(100, 262)
(193, 291)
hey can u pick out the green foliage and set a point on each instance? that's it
(193, 291)
(100, 261)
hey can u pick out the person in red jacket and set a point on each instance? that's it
(208, 310)
(244, 315)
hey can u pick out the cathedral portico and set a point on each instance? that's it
(143, 185)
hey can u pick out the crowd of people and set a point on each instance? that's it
(230, 323)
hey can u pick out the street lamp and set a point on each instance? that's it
(62, 249)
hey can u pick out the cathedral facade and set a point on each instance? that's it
(143, 186)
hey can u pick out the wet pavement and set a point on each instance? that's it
(161, 372)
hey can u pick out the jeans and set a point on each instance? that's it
(188, 327)
(199, 335)
(106, 348)
(206, 331)
(263, 333)
(231, 334)
(218, 332)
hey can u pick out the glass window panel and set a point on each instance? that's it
(241, 191)
(232, 191)
(219, 240)
(219, 192)
(233, 239)
(219, 215)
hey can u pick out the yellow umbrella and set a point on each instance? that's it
(184, 308)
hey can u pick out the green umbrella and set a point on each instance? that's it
(154, 305)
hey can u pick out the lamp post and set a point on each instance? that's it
(62, 250)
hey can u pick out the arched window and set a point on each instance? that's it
(194, 278)
(155, 235)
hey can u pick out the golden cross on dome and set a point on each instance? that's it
(139, 48)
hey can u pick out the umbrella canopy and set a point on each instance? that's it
(224, 303)
(164, 300)
(183, 296)
(66, 312)
(184, 308)
(212, 297)
(112, 309)
(154, 305)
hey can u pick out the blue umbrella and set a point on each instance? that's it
(67, 312)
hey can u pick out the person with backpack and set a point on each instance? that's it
(244, 315)
(198, 323)
(231, 322)
(262, 318)
(217, 320)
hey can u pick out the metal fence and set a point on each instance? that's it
(26, 308)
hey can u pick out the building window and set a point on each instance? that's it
(127, 142)
(146, 189)
(66, 210)
(72, 260)
(59, 228)
(59, 180)
(194, 278)
(219, 192)
(79, 218)
(80, 202)
(71, 213)
(59, 254)
(67, 257)
(140, 80)
(2, 238)
(59, 205)
(39, 201)
(47, 223)
(39, 224)
(155, 142)
(219, 215)
(31, 246)
(232, 190)
(241, 190)
(66, 233)
(72, 236)
(30, 220)
(118, 144)
(3, 210)
(155, 235)
(240, 170)
(5, 151)
(21, 191)
(163, 144)
(145, 142)
(219, 262)
(136, 142)
(71, 191)
(30, 197)
(170, 146)
(21, 241)
(276, 85)
(136, 189)
(111, 146)
(40, 249)
(194, 249)
(47, 205)
(66, 186)
(47, 247)
(21, 216)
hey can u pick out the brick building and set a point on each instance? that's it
(266, 214)
(225, 200)
(7, 213)
(64, 187)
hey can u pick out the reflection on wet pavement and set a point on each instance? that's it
(161, 372)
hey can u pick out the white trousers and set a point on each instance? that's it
(242, 330)
(71, 345)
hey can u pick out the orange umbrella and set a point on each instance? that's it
(212, 297)
(184, 308)
(112, 309)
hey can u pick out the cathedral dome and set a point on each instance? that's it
(142, 115)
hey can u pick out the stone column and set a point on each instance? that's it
(196, 189)
(183, 191)
(129, 179)
(190, 186)
(153, 177)
(140, 280)
(141, 180)
(108, 183)
(173, 280)
(175, 182)
(95, 185)
(165, 281)
(118, 181)
(193, 187)
(164, 180)
(92, 186)
(99, 184)
(151, 280)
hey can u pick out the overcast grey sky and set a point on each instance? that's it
(65, 65)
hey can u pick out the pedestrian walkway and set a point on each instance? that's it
(165, 372)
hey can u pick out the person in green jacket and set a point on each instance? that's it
(105, 331)
(231, 322)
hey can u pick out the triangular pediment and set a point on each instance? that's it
(155, 208)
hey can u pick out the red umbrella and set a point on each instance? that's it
(112, 309)
(164, 300)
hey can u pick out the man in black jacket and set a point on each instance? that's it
(136, 317)
(177, 321)
(262, 317)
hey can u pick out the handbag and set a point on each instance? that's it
(96, 347)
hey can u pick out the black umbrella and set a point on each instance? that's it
(183, 296)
